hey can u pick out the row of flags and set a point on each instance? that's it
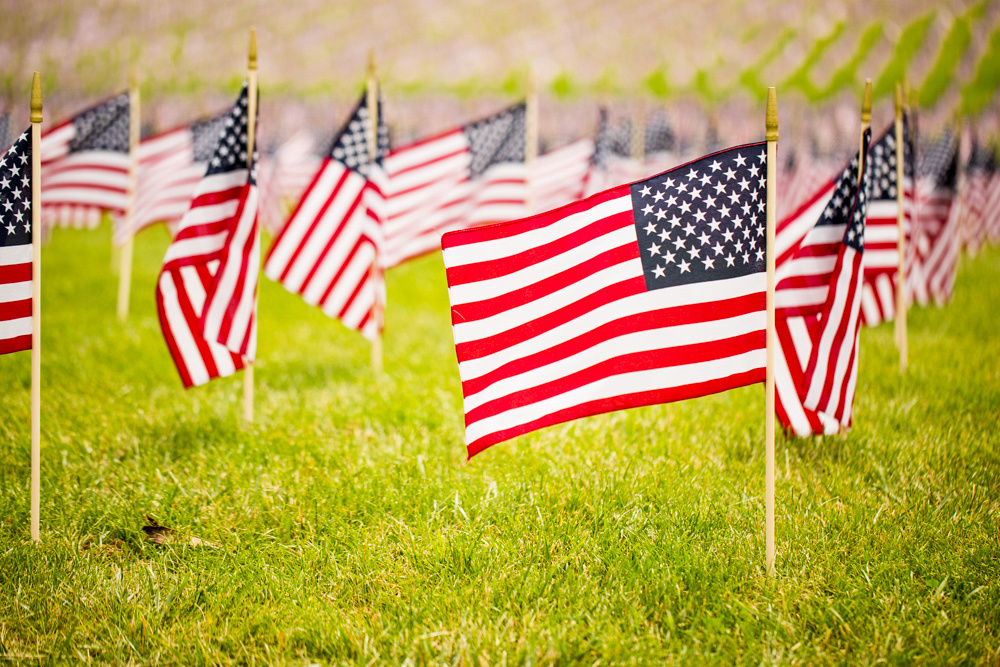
(609, 296)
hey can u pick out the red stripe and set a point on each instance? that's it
(15, 344)
(422, 165)
(645, 321)
(340, 272)
(321, 258)
(357, 288)
(477, 310)
(305, 195)
(307, 238)
(486, 346)
(620, 402)
(15, 273)
(214, 197)
(787, 345)
(232, 299)
(168, 333)
(15, 310)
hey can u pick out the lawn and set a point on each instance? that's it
(345, 526)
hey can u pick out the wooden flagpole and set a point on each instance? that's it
(771, 126)
(530, 135)
(125, 256)
(36, 302)
(901, 335)
(866, 121)
(371, 91)
(251, 129)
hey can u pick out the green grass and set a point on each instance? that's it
(348, 528)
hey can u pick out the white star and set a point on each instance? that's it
(699, 216)
(4, 182)
(689, 230)
(763, 156)
(744, 184)
(737, 222)
(739, 246)
(754, 170)
(695, 193)
(660, 214)
(654, 249)
(730, 174)
(678, 243)
(729, 260)
(734, 198)
(674, 221)
(658, 196)
(715, 166)
(649, 229)
(704, 238)
(647, 209)
(682, 187)
(709, 263)
(664, 235)
(645, 191)
(23, 158)
(740, 160)
(684, 266)
(760, 206)
(685, 207)
(720, 188)
(724, 211)
(671, 200)
(746, 258)
(760, 254)
(10, 228)
(27, 226)
(658, 272)
(692, 175)
(705, 179)
(728, 235)
(18, 215)
(715, 224)
(668, 257)
(669, 183)
(26, 182)
(709, 202)
(7, 205)
(694, 252)
(16, 192)
(746, 209)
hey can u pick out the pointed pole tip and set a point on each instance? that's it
(898, 100)
(36, 98)
(771, 116)
(371, 61)
(252, 59)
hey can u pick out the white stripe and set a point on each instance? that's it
(14, 328)
(869, 306)
(617, 385)
(411, 156)
(334, 259)
(15, 254)
(182, 335)
(10, 292)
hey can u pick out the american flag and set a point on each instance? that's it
(15, 246)
(329, 249)
(935, 235)
(85, 165)
(991, 207)
(463, 178)
(171, 165)
(612, 163)
(206, 293)
(284, 177)
(878, 300)
(557, 177)
(974, 224)
(4, 130)
(643, 294)
(817, 306)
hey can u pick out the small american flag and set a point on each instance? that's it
(206, 293)
(466, 177)
(15, 246)
(975, 224)
(991, 205)
(328, 249)
(643, 294)
(171, 165)
(935, 237)
(817, 306)
(878, 301)
(85, 165)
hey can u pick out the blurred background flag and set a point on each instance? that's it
(327, 249)
(977, 177)
(881, 264)
(991, 205)
(206, 293)
(643, 294)
(935, 237)
(469, 176)
(170, 166)
(85, 165)
(819, 251)
(558, 176)
(15, 246)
